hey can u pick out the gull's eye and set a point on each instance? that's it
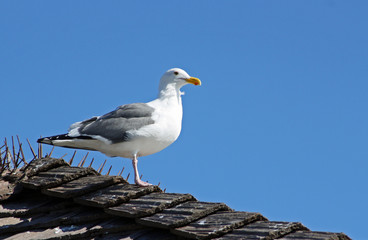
(176, 73)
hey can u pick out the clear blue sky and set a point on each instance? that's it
(279, 125)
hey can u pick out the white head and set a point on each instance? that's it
(176, 78)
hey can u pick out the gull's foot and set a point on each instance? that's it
(142, 183)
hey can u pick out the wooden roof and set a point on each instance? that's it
(49, 199)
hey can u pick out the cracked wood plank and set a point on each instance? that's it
(80, 231)
(307, 235)
(114, 195)
(66, 216)
(217, 224)
(43, 164)
(82, 186)
(263, 230)
(56, 177)
(30, 203)
(8, 189)
(142, 234)
(182, 214)
(149, 204)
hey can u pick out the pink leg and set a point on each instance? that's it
(137, 180)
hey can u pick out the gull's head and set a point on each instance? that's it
(177, 77)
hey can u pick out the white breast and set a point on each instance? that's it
(154, 137)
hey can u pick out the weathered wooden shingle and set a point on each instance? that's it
(114, 195)
(123, 211)
(217, 224)
(8, 189)
(182, 214)
(88, 230)
(57, 176)
(140, 234)
(43, 164)
(149, 204)
(66, 216)
(31, 203)
(307, 235)
(263, 230)
(82, 186)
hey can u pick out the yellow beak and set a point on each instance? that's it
(194, 81)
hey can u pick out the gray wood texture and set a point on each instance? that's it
(306, 235)
(149, 204)
(141, 234)
(89, 230)
(263, 230)
(8, 189)
(57, 176)
(27, 204)
(182, 214)
(114, 195)
(66, 216)
(43, 164)
(217, 224)
(82, 186)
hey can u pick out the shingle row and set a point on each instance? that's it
(75, 202)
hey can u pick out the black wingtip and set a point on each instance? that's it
(48, 140)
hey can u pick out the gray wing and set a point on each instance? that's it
(114, 125)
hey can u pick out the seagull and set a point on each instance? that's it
(133, 130)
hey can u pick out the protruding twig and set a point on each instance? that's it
(4, 164)
(83, 162)
(49, 155)
(127, 177)
(13, 159)
(164, 190)
(101, 167)
(6, 158)
(40, 149)
(80, 164)
(30, 146)
(71, 160)
(84, 159)
(90, 165)
(121, 172)
(21, 151)
(108, 172)
(64, 155)
(15, 163)
(6, 150)
(158, 184)
(141, 176)
(9, 155)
